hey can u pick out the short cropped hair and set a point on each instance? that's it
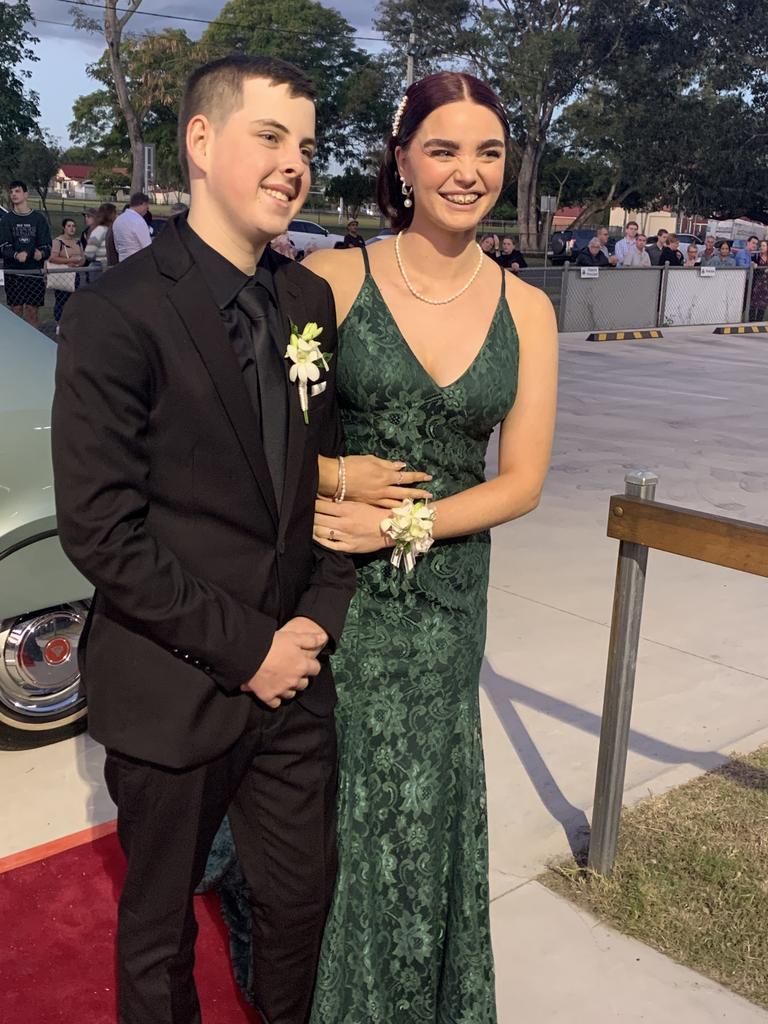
(216, 88)
(138, 199)
(19, 184)
(632, 223)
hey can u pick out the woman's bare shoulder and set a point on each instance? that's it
(344, 271)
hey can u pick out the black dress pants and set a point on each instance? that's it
(279, 785)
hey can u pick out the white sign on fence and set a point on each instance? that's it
(590, 271)
(707, 271)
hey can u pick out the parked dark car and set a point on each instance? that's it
(564, 246)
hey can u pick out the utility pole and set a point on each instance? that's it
(410, 70)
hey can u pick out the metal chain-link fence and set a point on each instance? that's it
(41, 295)
(610, 298)
(696, 295)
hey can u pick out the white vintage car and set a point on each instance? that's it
(43, 598)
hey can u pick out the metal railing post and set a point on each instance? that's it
(619, 686)
(748, 294)
(563, 294)
(662, 295)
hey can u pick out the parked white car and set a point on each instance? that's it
(302, 232)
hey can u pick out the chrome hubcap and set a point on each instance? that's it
(39, 675)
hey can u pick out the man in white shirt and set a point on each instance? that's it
(130, 231)
(627, 243)
(637, 256)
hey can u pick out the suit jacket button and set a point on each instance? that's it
(281, 548)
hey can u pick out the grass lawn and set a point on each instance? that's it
(691, 878)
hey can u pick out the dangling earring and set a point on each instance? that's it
(407, 191)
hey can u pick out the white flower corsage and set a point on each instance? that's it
(307, 357)
(409, 527)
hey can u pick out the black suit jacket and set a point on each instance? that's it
(165, 504)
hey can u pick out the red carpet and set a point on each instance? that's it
(57, 918)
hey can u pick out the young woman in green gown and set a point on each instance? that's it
(437, 347)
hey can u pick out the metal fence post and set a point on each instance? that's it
(619, 686)
(563, 296)
(662, 295)
(748, 294)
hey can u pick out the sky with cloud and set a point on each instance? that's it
(59, 76)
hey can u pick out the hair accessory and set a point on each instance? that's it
(407, 191)
(399, 116)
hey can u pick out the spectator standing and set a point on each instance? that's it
(89, 217)
(490, 246)
(744, 257)
(593, 255)
(66, 251)
(637, 256)
(692, 256)
(352, 240)
(627, 244)
(758, 302)
(709, 255)
(670, 254)
(130, 231)
(96, 247)
(656, 248)
(724, 257)
(25, 245)
(511, 258)
(602, 236)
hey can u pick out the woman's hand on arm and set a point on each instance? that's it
(349, 526)
(373, 481)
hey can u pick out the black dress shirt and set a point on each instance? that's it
(257, 350)
(354, 241)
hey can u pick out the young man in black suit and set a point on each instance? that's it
(186, 474)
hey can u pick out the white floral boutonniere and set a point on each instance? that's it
(409, 527)
(307, 357)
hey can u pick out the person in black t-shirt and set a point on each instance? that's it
(25, 245)
(511, 258)
(671, 253)
(352, 240)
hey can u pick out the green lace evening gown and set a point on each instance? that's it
(408, 939)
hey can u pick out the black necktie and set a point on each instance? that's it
(254, 301)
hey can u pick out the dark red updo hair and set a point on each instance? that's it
(423, 97)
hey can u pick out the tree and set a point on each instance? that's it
(38, 161)
(535, 53)
(107, 180)
(155, 66)
(79, 155)
(19, 111)
(648, 139)
(318, 39)
(354, 187)
(113, 26)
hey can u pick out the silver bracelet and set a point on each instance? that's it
(341, 489)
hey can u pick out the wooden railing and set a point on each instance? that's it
(640, 523)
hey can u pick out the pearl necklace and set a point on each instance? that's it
(424, 298)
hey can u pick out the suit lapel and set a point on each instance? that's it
(191, 300)
(291, 310)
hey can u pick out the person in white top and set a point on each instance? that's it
(627, 244)
(130, 231)
(637, 257)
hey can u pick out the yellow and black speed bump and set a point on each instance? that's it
(743, 329)
(623, 335)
